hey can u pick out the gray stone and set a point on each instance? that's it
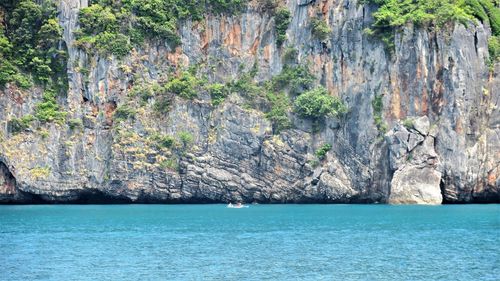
(422, 125)
(412, 185)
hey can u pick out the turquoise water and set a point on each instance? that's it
(263, 242)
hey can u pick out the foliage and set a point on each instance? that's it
(377, 105)
(123, 112)
(169, 164)
(186, 85)
(295, 78)
(163, 140)
(96, 19)
(162, 104)
(40, 172)
(226, 6)
(320, 30)
(246, 86)
(278, 115)
(186, 138)
(29, 44)
(268, 5)
(17, 125)
(75, 123)
(44, 133)
(486, 12)
(282, 19)
(218, 92)
(494, 49)
(48, 110)
(132, 21)
(99, 28)
(290, 55)
(323, 150)
(408, 123)
(318, 103)
(392, 14)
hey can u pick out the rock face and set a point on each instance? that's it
(440, 103)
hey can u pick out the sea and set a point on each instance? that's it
(262, 242)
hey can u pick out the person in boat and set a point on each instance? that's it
(238, 204)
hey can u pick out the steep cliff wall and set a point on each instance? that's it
(435, 95)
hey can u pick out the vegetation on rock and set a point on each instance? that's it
(317, 103)
(378, 106)
(323, 150)
(17, 125)
(48, 110)
(112, 27)
(294, 78)
(218, 92)
(278, 115)
(75, 123)
(320, 29)
(186, 85)
(123, 112)
(393, 14)
(30, 38)
(282, 20)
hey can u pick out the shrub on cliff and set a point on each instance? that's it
(378, 106)
(282, 20)
(318, 103)
(132, 21)
(278, 115)
(185, 85)
(48, 110)
(494, 49)
(320, 29)
(392, 14)
(123, 112)
(323, 150)
(17, 125)
(29, 44)
(186, 139)
(218, 92)
(75, 123)
(295, 78)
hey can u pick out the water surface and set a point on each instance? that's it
(263, 242)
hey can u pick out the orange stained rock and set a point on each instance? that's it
(178, 58)
(15, 94)
(109, 108)
(396, 104)
(325, 7)
(459, 126)
(425, 106)
(102, 87)
(328, 76)
(267, 52)
(233, 39)
(91, 139)
(95, 109)
(255, 46)
(206, 37)
(492, 177)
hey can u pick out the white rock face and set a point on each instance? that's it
(412, 185)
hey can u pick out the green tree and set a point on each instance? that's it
(318, 103)
(282, 19)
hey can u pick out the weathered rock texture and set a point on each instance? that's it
(438, 79)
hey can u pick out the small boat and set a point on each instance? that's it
(237, 206)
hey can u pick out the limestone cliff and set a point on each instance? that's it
(437, 98)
